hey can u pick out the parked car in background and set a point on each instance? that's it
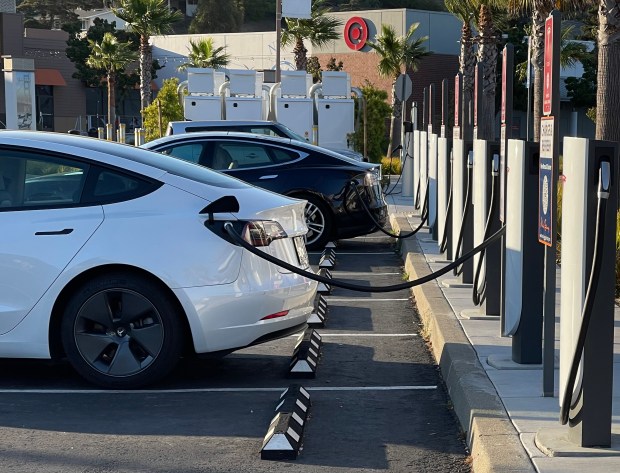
(260, 127)
(116, 257)
(327, 180)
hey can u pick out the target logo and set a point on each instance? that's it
(356, 33)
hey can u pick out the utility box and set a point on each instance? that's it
(244, 108)
(203, 80)
(297, 114)
(295, 83)
(202, 107)
(244, 82)
(335, 118)
(336, 84)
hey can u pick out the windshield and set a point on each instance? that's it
(291, 134)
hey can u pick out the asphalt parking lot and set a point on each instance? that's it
(377, 399)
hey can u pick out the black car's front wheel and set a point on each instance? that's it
(319, 222)
(120, 331)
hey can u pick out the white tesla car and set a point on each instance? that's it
(116, 258)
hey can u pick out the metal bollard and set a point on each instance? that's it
(122, 136)
(109, 132)
(139, 136)
(101, 133)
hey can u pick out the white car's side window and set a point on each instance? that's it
(31, 180)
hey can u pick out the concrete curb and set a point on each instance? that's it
(492, 439)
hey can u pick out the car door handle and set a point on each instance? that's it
(269, 176)
(66, 231)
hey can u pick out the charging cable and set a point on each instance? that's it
(230, 229)
(479, 293)
(443, 246)
(459, 244)
(586, 314)
(424, 215)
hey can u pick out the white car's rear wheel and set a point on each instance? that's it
(121, 331)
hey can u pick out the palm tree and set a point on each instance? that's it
(146, 18)
(397, 53)
(608, 86)
(320, 29)
(112, 56)
(203, 54)
(466, 12)
(540, 10)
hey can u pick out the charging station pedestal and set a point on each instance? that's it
(432, 184)
(416, 168)
(524, 257)
(423, 169)
(590, 413)
(407, 161)
(462, 213)
(444, 183)
(486, 157)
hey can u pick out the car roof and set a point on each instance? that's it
(277, 140)
(222, 123)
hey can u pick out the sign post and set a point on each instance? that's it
(547, 193)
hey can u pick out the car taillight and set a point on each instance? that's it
(371, 178)
(277, 315)
(262, 233)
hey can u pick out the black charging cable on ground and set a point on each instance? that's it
(586, 313)
(479, 294)
(459, 243)
(424, 215)
(230, 229)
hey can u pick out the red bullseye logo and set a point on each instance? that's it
(356, 33)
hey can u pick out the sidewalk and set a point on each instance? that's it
(500, 410)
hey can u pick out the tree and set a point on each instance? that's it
(333, 66)
(78, 50)
(48, 14)
(112, 56)
(203, 54)
(320, 29)
(466, 12)
(213, 17)
(608, 91)
(146, 18)
(397, 53)
(171, 110)
(540, 10)
(377, 110)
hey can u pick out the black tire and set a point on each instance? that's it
(121, 331)
(319, 221)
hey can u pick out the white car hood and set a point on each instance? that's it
(254, 203)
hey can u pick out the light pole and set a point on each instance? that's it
(278, 37)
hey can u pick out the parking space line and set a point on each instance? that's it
(333, 335)
(362, 299)
(213, 390)
(346, 253)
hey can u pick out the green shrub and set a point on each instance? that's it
(390, 166)
(377, 111)
(171, 110)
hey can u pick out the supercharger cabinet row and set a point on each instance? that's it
(322, 113)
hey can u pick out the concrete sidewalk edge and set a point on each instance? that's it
(492, 439)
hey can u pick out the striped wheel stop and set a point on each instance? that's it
(305, 358)
(328, 258)
(285, 433)
(323, 288)
(319, 316)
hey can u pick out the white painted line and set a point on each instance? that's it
(345, 253)
(333, 335)
(362, 299)
(356, 273)
(213, 390)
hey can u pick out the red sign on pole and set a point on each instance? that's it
(503, 104)
(457, 92)
(548, 67)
